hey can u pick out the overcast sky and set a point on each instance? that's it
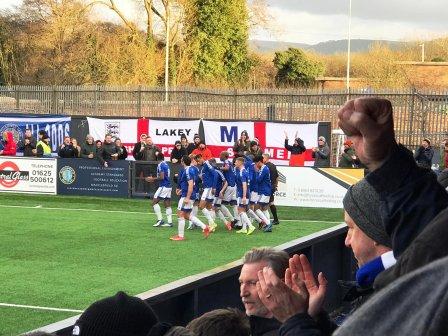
(312, 21)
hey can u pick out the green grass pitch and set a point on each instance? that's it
(66, 252)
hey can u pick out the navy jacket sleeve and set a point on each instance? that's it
(300, 325)
(287, 146)
(410, 197)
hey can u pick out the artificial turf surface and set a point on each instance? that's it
(66, 252)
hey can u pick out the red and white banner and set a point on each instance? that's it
(164, 133)
(222, 135)
(219, 135)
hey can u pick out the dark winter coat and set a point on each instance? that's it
(322, 156)
(295, 149)
(346, 160)
(88, 149)
(27, 149)
(105, 153)
(122, 153)
(68, 151)
(260, 326)
(424, 156)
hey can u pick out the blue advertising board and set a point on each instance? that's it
(56, 126)
(87, 177)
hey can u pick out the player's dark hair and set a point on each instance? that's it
(160, 156)
(258, 158)
(198, 156)
(186, 159)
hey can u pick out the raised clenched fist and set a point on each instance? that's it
(368, 122)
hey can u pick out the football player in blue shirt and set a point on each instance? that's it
(196, 197)
(242, 187)
(207, 173)
(186, 192)
(263, 179)
(220, 183)
(163, 192)
(229, 192)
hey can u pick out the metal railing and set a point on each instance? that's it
(416, 113)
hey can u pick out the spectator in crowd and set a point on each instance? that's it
(424, 154)
(189, 147)
(118, 315)
(43, 148)
(108, 151)
(178, 152)
(297, 149)
(242, 145)
(76, 147)
(262, 321)
(274, 186)
(9, 145)
(203, 151)
(122, 151)
(88, 150)
(348, 158)
(444, 156)
(66, 150)
(221, 322)
(321, 153)
(136, 152)
(148, 151)
(98, 146)
(28, 144)
(196, 141)
(255, 148)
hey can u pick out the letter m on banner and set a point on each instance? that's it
(229, 135)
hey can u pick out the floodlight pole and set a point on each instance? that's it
(349, 44)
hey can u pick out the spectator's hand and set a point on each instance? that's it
(315, 149)
(286, 135)
(106, 165)
(297, 135)
(142, 148)
(174, 160)
(27, 141)
(281, 300)
(62, 146)
(91, 156)
(34, 151)
(368, 122)
(149, 179)
(301, 266)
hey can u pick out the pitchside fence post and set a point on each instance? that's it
(54, 100)
(17, 96)
(235, 102)
(139, 101)
(411, 117)
(95, 96)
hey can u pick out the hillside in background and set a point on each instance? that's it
(326, 48)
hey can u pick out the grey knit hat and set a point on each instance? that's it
(362, 203)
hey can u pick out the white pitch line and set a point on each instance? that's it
(39, 207)
(41, 308)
